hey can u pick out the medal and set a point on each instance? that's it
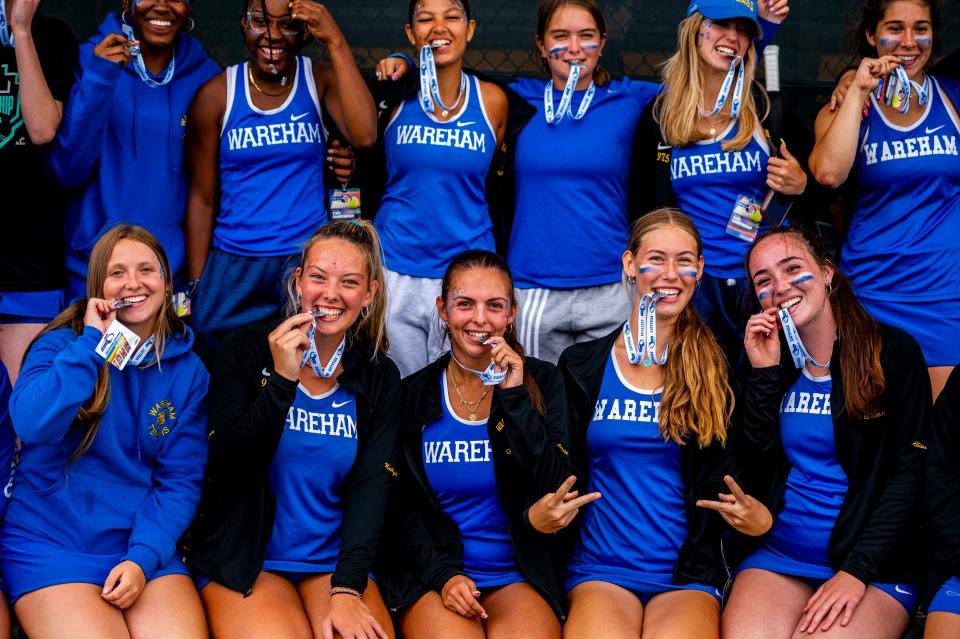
(725, 91)
(430, 88)
(136, 59)
(797, 350)
(566, 99)
(645, 348)
(490, 376)
(310, 355)
(895, 90)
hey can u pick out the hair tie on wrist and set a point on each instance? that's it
(343, 590)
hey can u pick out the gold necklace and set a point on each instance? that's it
(473, 406)
(257, 86)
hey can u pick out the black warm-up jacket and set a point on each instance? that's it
(248, 403)
(700, 559)
(876, 535)
(530, 459)
(943, 485)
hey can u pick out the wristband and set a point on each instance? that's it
(343, 590)
(405, 57)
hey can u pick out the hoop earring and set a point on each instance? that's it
(631, 280)
(192, 23)
(125, 18)
(509, 330)
(364, 312)
(697, 285)
(829, 288)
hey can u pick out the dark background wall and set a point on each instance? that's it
(814, 40)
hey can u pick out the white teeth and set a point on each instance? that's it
(136, 299)
(669, 292)
(438, 43)
(907, 58)
(161, 23)
(790, 302)
(481, 337)
(726, 51)
(327, 312)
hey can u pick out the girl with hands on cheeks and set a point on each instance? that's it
(649, 407)
(111, 466)
(899, 157)
(484, 438)
(312, 395)
(836, 413)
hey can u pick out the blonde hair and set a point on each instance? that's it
(697, 398)
(679, 106)
(371, 326)
(166, 323)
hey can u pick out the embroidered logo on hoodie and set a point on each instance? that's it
(164, 414)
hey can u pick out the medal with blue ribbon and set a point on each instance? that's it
(430, 88)
(489, 377)
(797, 350)
(141, 354)
(895, 90)
(311, 357)
(136, 59)
(566, 99)
(6, 30)
(724, 94)
(645, 348)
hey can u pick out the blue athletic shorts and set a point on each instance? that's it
(947, 598)
(642, 588)
(35, 307)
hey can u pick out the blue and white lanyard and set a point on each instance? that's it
(143, 351)
(136, 59)
(646, 334)
(489, 377)
(797, 350)
(725, 91)
(310, 355)
(566, 100)
(895, 90)
(6, 31)
(429, 87)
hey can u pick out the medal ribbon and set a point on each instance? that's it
(6, 31)
(490, 376)
(725, 91)
(429, 87)
(310, 355)
(895, 90)
(645, 348)
(143, 351)
(566, 99)
(797, 350)
(136, 59)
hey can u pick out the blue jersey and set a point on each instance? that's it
(905, 227)
(459, 464)
(816, 485)
(435, 203)
(316, 451)
(7, 442)
(570, 221)
(271, 168)
(636, 530)
(706, 182)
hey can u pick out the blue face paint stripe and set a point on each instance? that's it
(800, 279)
(764, 293)
(688, 272)
(556, 51)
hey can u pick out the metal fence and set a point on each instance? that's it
(814, 41)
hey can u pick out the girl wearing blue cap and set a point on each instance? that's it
(903, 163)
(111, 466)
(705, 151)
(836, 417)
(943, 512)
(123, 129)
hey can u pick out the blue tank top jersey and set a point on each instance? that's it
(8, 444)
(905, 229)
(271, 168)
(459, 466)
(640, 524)
(816, 484)
(316, 451)
(570, 221)
(706, 181)
(435, 203)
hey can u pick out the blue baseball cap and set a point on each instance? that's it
(726, 10)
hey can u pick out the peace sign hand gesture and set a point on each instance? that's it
(555, 511)
(740, 510)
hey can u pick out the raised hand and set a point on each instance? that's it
(506, 359)
(287, 343)
(554, 511)
(785, 175)
(114, 48)
(740, 510)
(99, 314)
(761, 340)
(318, 21)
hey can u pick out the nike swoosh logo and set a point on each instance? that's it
(339, 404)
(460, 124)
(902, 591)
(294, 118)
(953, 593)
(265, 372)
(935, 129)
(662, 147)
(383, 105)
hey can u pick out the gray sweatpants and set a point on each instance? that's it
(413, 324)
(550, 319)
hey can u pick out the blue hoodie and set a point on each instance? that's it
(121, 145)
(135, 491)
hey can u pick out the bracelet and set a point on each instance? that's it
(343, 590)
